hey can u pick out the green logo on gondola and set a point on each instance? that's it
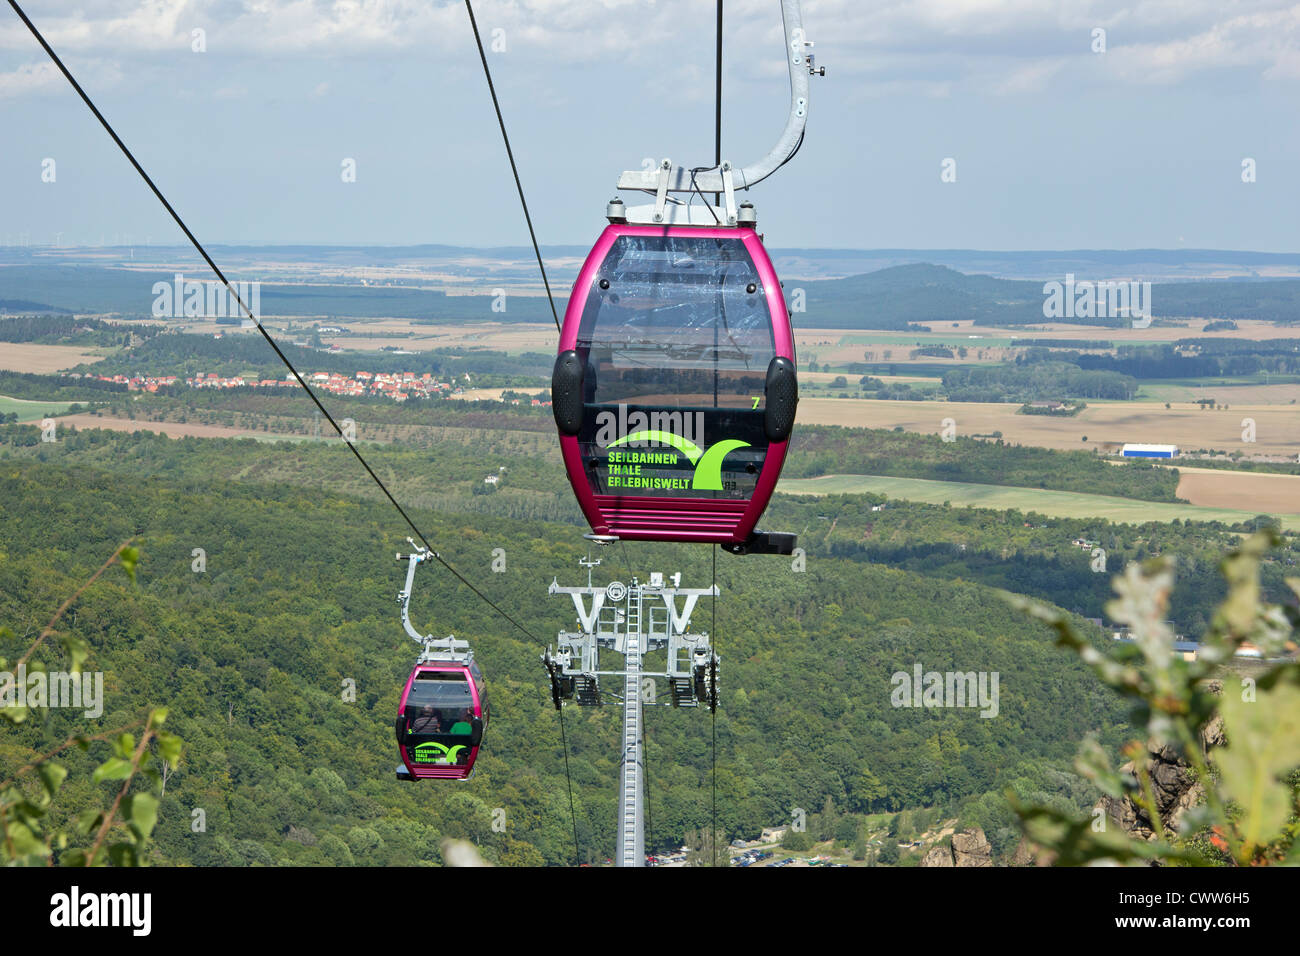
(708, 464)
(433, 752)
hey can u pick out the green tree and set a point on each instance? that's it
(797, 841)
(902, 827)
(824, 822)
(866, 793)
(336, 850)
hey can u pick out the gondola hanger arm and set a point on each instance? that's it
(446, 648)
(669, 177)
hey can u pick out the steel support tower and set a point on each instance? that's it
(633, 620)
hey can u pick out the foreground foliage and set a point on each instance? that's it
(1249, 812)
(117, 834)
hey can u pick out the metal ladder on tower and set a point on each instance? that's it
(631, 853)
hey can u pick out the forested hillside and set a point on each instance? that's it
(252, 655)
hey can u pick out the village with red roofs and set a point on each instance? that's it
(398, 386)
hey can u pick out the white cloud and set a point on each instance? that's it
(1028, 78)
(28, 78)
(1264, 41)
(1004, 47)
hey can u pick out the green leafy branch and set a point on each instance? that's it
(22, 837)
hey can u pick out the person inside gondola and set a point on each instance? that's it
(463, 727)
(427, 721)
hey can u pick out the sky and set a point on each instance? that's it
(1063, 137)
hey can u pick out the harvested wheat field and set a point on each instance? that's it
(171, 429)
(1061, 504)
(1108, 425)
(1244, 490)
(42, 359)
(511, 337)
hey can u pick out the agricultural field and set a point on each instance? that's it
(372, 334)
(1104, 425)
(42, 359)
(31, 411)
(1060, 504)
(826, 378)
(1225, 393)
(1264, 494)
(989, 344)
(482, 394)
(200, 429)
(171, 429)
(994, 335)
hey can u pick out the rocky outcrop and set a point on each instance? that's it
(938, 856)
(969, 848)
(1173, 783)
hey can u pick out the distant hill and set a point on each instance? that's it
(925, 293)
(97, 290)
(1155, 265)
(26, 307)
(890, 298)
